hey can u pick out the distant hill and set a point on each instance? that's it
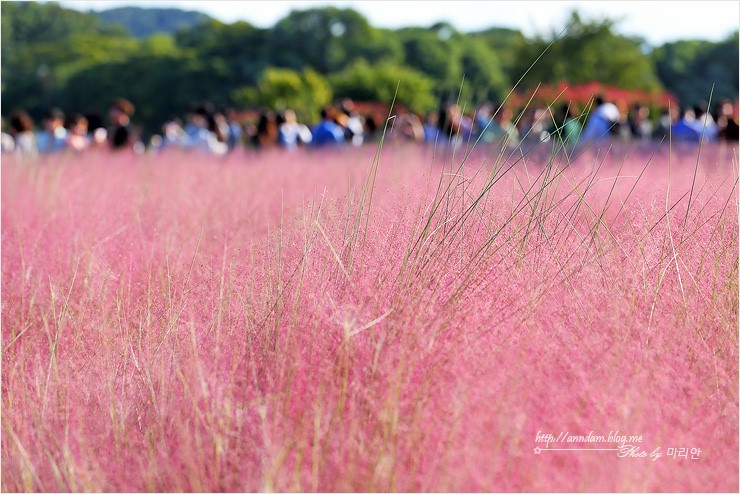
(142, 22)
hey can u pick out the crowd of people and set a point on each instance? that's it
(74, 132)
(207, 129)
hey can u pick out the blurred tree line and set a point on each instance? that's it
(52, 56)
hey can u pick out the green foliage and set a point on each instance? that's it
(305, 92)
(158, 94)
(159, 45)
(42, 44)
(57, 56)
(482, 70)
(86, 50)
(32, 22)
(240, 47)
(143, 22)
(446, 56)
(689, 68)
(378, 82)
(588, 51)
(438, 58)
(506, 43)
(327, 40)
(30, 47)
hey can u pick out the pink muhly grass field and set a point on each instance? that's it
(312, 321)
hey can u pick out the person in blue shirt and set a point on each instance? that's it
(327, 132)
(54, 136)
(602, 122)
(235, 130)
(704, 123)
(685, 128)
(197, 135)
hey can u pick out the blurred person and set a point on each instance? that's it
(373, 126)
(685, 128)
(173, 135)
(449, 120)
(7, 144)
(96, 129)
(503, 119)
(468, 127)
(409, 128)
(639, 124)
(156, 143)
(53, 137)
(483, 117)
(218, 125)
(249, 125)
(539, 123)
(566, 126)
(526, 122)
(292, 134)
(267, 130)
(668, 116)
(341, 118)
(354, 127)
(727, 121)
(77, 137)
(602, 122)
(621, 129)
(234, 129)
(500, 129)
(24, 139)
(120, 135)
(449, 123)
(431, 127)
(197, 135)
(196, 122)
(327, 132)
(704, 123)
(534, 123)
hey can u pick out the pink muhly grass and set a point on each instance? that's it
(291, 321)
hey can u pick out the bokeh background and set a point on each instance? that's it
(79, 56)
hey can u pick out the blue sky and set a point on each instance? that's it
(656, 21)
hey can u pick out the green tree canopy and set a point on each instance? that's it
(33, 22)
(446, 56)
(689, 68)
(587, 51)
(378, 82)
(57, 56)
(482, 70)
(425, 51)
(327, 40)
(506, 43)
(304, 92)
(240, 48)
(34, 44)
